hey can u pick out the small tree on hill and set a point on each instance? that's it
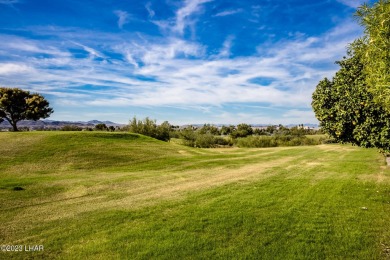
(17, 104)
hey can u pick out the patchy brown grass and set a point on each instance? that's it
(111, 191)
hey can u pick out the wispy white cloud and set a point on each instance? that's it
(151, 12)
(14, 45)
(228, 12)
(184, 14)
(171, 71)
(178, 72)
(12, 68)
(123, 18)
(226, 47)
(92, 52)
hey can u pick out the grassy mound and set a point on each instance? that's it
(119, 195)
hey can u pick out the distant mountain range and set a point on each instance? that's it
(52, 124)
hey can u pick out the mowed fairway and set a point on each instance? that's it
(124, 196)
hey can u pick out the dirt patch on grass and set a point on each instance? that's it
(335, 147)
(184, 152)
(198, 180)
(381, 177)
(144, 192)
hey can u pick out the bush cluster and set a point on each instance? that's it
(203, 140)
(275, 141)
(71, 128)
(149, 127)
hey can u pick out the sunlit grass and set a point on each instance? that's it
(119, 195)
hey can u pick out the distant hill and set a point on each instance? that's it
(52, 124)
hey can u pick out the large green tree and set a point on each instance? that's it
(376, 49)
(17, 104)
(346, 110)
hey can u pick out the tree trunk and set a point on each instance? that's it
(12, 123)
(14, 127)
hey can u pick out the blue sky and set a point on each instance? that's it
(187, 61)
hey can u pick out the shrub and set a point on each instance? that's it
(149, 127)
(101, 127)
(205, 141)
(220, 141)
(71, 128)
(198, 139)
(274, 141)
(189, 136)
(242, 130)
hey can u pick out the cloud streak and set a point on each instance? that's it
(123, 18)
(184, 14)
(228, 12)
(151, 12)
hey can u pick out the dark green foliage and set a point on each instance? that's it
(242, 130)
(149, 127)
(271, 129)
(297, 131)
(221, 141)
(188, 135)
(281, 136)
(211, 141)
(276, 141)
(71, 128)
(17, 104)
(101, 127)
(347, 111)
(163, 131)
(203, 138)
(259, 131)
(207, 128)
(227, 130)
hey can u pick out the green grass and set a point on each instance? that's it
(125, 196)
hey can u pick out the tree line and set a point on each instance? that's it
(209, 136)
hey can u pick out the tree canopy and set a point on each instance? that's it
(17, 104)
(354, 106)
(376, 49)
(347, 111)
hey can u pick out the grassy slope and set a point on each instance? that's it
(116, 195)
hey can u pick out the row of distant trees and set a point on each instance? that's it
(208, 136)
